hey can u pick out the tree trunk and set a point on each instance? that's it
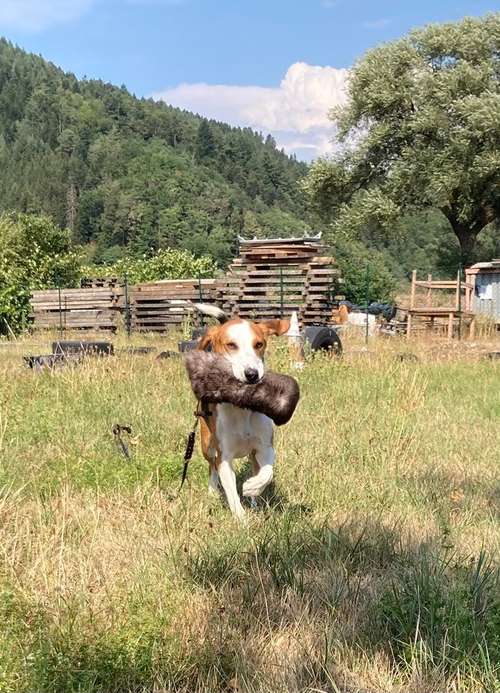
(466, 238)
(467, 233)
(71, 207)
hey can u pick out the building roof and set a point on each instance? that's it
(492, 266)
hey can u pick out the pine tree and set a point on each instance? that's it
(205, 142)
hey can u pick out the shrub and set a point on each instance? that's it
(34, 254)
(165, 264)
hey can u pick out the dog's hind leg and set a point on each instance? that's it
(213, 480)
(209, 450)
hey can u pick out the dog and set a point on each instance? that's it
(229, 432)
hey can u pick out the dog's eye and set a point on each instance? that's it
(232, 346)
(259, 345)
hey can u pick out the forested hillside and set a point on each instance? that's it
(127, 173)
(129, 176)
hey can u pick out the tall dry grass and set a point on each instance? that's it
(372, 565)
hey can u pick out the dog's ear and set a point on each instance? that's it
(276, 327)
(206, 342)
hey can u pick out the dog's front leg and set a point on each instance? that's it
(228, 480)
(256, 484)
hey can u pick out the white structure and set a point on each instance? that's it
(485, 278)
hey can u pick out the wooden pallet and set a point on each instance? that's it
(273, 281)
(93, 308)
(157, 306)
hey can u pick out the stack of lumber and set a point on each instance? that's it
(97, 308)
(273, 277)
(279, 251)
(321, 291)
(158, 306)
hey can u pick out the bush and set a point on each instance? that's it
(165, 264)
(34, 254)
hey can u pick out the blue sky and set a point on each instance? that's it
(267, 59)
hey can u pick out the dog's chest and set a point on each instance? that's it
(241, 431)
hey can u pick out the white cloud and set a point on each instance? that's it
(35, 15)
(295, 112)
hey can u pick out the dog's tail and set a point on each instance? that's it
(212, 311)
(207, 309)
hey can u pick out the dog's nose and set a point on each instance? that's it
(251, 375)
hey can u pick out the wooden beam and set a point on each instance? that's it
(413, 288)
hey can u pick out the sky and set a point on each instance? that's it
(275, 65)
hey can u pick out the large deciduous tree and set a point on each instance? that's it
(420, 130)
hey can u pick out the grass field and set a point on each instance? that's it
(372, 565)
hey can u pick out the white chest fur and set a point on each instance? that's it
(241, 431)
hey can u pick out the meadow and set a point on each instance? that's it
(371, 565)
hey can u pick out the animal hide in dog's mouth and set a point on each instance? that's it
(213, 381)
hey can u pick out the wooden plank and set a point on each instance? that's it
(54, 293)
(434, 311)
(72, 305)
(274, 271)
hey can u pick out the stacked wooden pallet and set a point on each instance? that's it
(274, 277)
(97, 308)
(321, 291)
(158, 306)
(271, 278)
(279, 251)
(267, 291)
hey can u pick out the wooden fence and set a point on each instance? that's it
(92, 308)
(271, 278)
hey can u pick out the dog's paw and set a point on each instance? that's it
(256, 484)
(241, 518)
(252, 487)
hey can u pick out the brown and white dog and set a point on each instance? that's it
(230, 432)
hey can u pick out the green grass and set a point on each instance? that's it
(371, 565)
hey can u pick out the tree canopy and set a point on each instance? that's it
(420, 131)
(131, 176)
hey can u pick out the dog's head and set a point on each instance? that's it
(243, 344)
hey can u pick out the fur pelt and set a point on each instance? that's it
(213, 381)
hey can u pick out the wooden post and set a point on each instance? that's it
(459, 295)
(413, 288)
(412, 303)
(60, 308)
(472, 327)
(408, 325)
(367, 300)
(429, 290)
(128, 324)
(450, 325)
(472, 292)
